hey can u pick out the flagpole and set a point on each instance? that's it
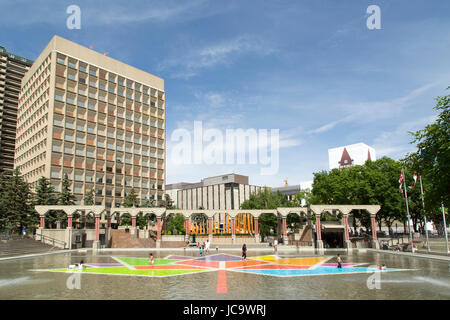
(407, 210)
(424, 216)
(445, 227)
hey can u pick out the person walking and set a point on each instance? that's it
(244, 252)
(207, 246)
(201, 250)
(339, 261)
(275, 244)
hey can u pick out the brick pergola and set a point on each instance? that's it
(162, 214)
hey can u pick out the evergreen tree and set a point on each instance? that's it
(89, 198)
(130, 200)
(16, 203)
(45, 194)
(66, 197)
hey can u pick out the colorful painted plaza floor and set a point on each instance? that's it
(271, 265)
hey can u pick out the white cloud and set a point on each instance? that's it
(396, 143)
(366, 112)
(209, 56)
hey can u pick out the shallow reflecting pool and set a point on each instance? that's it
(223, 275)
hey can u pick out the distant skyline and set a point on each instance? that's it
(311, 69)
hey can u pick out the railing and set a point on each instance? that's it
(53, 241)
(300, 243)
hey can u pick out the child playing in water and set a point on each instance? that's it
(201, 250)
(339, 261)
(151, 261)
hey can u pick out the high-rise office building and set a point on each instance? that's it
(12, 70)
(97, 120)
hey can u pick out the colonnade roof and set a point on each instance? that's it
(160, 212)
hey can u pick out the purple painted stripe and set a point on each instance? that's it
(180, 258)
(105, 264)
(335, 265)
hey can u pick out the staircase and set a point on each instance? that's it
(122, 239)
(17, 246)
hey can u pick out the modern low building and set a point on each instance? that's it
(347, 156)
(97, 120)
(12, 70)
(222, 192)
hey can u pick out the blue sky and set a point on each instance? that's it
(311, 69)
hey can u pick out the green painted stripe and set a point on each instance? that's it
(125, 270)
(144, 261)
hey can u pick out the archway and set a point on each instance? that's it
(267, 225)
(332, 229)
(125, 219)
(199, 224)
(174, 224)
(55, 219)
(244, 224)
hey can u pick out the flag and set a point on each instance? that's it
(415, 179)
(401, 182)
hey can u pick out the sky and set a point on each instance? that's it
(311, 69)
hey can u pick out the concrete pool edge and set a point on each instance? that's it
(280, 250)
(413, 255)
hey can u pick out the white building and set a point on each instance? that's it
(347, 156)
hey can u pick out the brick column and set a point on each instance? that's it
(186, 226)
(109, 222)
(345, 221)
(42, 222)
(233, 225)
(284, 227)
(278, 226)
(210, 225)
(97, 228)
(133, 222)
(318, 228)
(84, 222)
(69, 222)
(374, 227)
(256, 226)
(158, 229)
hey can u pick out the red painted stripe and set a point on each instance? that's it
(222, 282)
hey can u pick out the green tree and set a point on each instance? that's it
(45, 194)
(175, 223)
(432, 158)
(266, 199)
(130, 200)
(375, 182)
(66, 197)
(89, 198)
(167, 202)
(16, 203)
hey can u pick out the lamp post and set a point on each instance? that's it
(445, 227)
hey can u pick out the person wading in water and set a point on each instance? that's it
(339, 261)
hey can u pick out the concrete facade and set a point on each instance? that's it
(96, 119)
(12, 70)
(225, 192)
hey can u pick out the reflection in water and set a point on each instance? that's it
(18, 281)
